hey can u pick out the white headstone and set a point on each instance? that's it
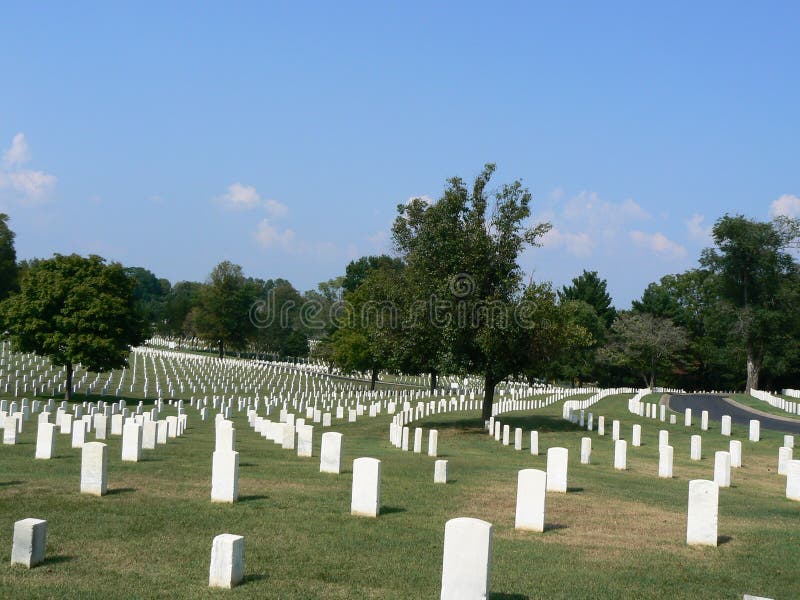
(433, 443)
(615, 430)
(793, 480)
(704, 420)
(225, 476)
(331, 453)
(535, 442)
(735, 449)
(305, 441)
(94, 468)
(149, 435)
(440, 471)
(466, 564)
(30, 538)
(418, 440)
(557, 469)
(687, 417)
(46, 440)
(722, 468)
(531, 488)
(366, 494)
(784, 456)
(665, 461)
(620, 455)
(755, 430)
(636, 435)
(132, 442)
(725, 426)
(518, 438)
(701, 518)
(663, 438)
(227, 561)
(696, 447)
(586, 450)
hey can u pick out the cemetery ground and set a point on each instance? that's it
(615, 534)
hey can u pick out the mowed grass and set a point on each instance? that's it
(762, 406)
(614, 535)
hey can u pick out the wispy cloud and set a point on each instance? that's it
(32, 186)
(787, 205)
(584, 222)
(577, 244)
(696, 229)
(270, 236)
(19, 153)
(659, 244)
(240, 197)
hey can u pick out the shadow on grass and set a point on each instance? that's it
(723, 539)
(502, 596)
(555, 526)
(389, 510)
(541, 423)
(58, 559)
(254, 577)
(252, 498)
(574, 490)
(13, 482)
(247, 464)
(115, 491)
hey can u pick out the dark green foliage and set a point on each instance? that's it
(74, 309)
(589, 288)
(8, 259)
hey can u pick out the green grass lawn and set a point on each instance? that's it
(614, 535)
(748, 400)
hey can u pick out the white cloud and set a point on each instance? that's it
(18, 153)
(275, 209)
(577, 244)
(240, 197)
(658, 243)
(270, 236)
(696, 229)
(424, 197)
(787, 205)
(33, 186)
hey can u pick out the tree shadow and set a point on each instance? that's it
(389, 510)
(252, 498)
(124, 490)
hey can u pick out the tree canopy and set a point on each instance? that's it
(75, 309)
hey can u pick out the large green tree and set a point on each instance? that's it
(222, 316)
(370, 331)
(753, 273)
(75, 309)
(8, 259)
(644, 344)
(465, 249)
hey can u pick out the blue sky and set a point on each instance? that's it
(282, 136)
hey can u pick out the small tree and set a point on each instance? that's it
(75, 310)
(644, 344)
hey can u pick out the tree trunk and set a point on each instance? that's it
(753, 369)
(433, 382)
(68, 392)
(221, 349)
(374, 379)
(488, 397)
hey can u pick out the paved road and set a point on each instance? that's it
(718, 406)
